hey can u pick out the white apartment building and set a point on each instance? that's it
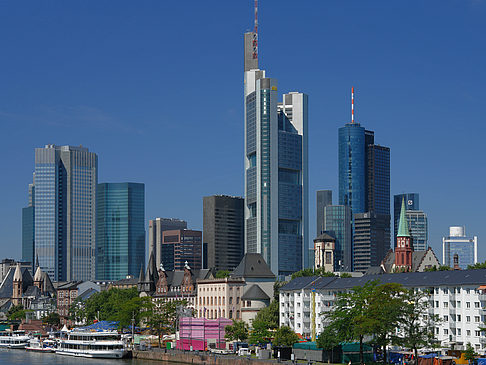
(457, 297)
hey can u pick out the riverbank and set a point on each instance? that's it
(197, 358)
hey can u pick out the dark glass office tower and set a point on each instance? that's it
(65, 225)
(120, 230)
(378, 179)
(412, 202)
(28, 231)
(223, 231)
(323, 198)
(337, 222)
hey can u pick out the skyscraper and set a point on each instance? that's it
(411, 203)
(223, 231)
(364, 186)
(276, 175)
(457, 243)
(323, 198)
(65, 225)
(181, 246)
(156, 227)
(337, 222)
(28, 233)
(120, 230)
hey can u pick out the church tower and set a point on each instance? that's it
(404, 248)
(17, 286)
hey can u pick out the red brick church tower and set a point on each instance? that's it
(404, 248)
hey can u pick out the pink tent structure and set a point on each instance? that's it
(196, 332)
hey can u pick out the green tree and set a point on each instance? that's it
(328, 339)
(260, 332)
(350, 318)
(269, 315)
(52, 319)
(284, 336)
(276, 289)
(162, 319)
(416, 325)
(238, 331)
(17, 312)
(345, 275)
(221, 274)
(312, 272)
(479, 265)
(438, 268)
(385, 307)
(470, 354)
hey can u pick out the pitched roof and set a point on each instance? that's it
(18, 273)
(374, 270)
(403, 224)
(252, 266)
(6, 287)
(255, 293)
(324, 236)
(299, 283)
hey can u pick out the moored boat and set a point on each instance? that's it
(103, 344)
(39, 345)
(14, 340)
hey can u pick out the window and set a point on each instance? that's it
(446, 305)
(446, 331)
(237, 300)
(468, 318)
(458, 318)
(458, 303)
(248, 303)
(476, 319)
(468, 332)
(436, 290)
(437, 304)
(468, 304)
(478, 333)
(476, 304)
(446, 318)
(231, 300)
(458, 331)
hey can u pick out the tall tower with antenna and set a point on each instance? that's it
(276, 178)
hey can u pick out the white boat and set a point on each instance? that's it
(39, 345)
(14, 340)
(104, 344)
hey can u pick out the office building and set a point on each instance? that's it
(457, 243)
(180, 248)
(64, 224)
(323, 199)
(412, 202)
(416, 218)
(456, 297)
(276, 169)
(223, 230)
(120, 230)
(338, 223)
(371, 240)
(156, 227)
(378, 165)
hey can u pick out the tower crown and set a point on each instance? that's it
(403, 224)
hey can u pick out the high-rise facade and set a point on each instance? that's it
(276, 173)
(223, 230)
(65, 225)
(371, 240)
(417, 221)
(323, 199)
(156, 227)
(120, 230)
(181, 246)
(28, 232)
(337, 222)
(457, 243)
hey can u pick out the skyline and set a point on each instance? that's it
(81, 85)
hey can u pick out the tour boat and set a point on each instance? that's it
(14, 340)
(39, 345)
(103, 344)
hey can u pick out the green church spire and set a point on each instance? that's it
(403, 224)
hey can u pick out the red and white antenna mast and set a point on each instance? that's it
(352, 104)
(255, 30)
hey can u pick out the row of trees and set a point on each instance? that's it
(385, 313)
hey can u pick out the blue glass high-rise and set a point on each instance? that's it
(120, 230)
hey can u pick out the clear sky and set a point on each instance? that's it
(155, 88)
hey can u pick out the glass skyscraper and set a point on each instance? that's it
(323, 198)
(64, 225)
(417, 221)
(28, 233)
(412, 202)
(276, 176)
(120, 230)
(457, 243)
(337, 222)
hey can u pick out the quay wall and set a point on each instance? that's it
(197, 359)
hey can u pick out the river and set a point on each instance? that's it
(22, 357)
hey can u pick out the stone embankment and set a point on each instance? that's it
(197, 358)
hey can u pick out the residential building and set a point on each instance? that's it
(120, 230)
(338, 223)
(276, 169)
(65, 224)
(181, 247)
(224, 231)
(458, 243)
(457, 297)
(371, 240)
(68, 292)
(156, 227)
(323, 199)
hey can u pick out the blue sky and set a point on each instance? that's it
(155, 88)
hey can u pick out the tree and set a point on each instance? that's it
(479, 265)
(345, 275)
(438, 268)
(350, 319)
(260, 332)
(470, 354)
(52, 319)
(416, 326)
(276, 289)
(221, 274)
(17, 312)
(285, 337)
(328, 339)
(385, 308)
(238, 331)
(312, 272)
(162, 319)
(269, 315)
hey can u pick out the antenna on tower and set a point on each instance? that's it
(255, 35)
(352, 104)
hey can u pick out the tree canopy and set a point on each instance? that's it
(221, 274)
(312, 272)
(238, 331)
(284, 336)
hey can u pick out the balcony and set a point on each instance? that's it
(482, 340)
(482, 297)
